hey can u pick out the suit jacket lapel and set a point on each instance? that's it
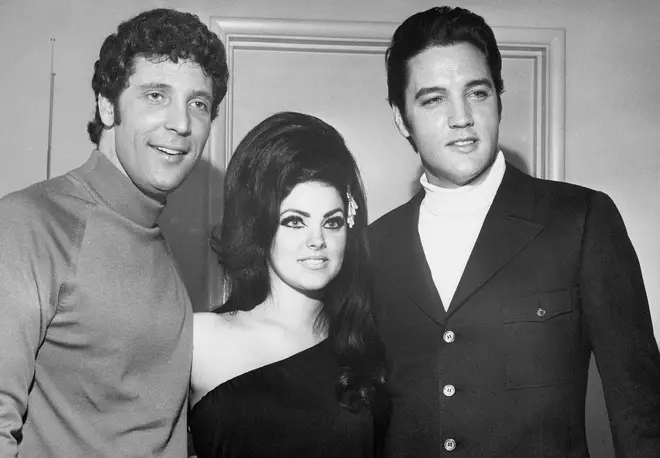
(507, 229)
(408, 263)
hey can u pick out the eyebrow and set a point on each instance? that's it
(155, 86)
(307, 215)
(201, 93)
(480, 82)
(164, 86)
(469, 85)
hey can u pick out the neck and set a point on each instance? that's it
(291, 309)
(106, 147)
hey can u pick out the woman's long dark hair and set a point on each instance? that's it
(280, 152)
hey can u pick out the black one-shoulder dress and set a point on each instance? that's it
(285, 409)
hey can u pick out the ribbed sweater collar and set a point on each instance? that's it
(108, 184)
(467, 199)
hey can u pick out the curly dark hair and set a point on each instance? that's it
(279, 153)
(439, 26)
(159, 34)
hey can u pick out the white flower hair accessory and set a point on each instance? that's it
(352, 208)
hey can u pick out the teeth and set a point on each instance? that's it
(464, 142)
(169, 151)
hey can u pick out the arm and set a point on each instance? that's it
(22, 325)
(618, 322)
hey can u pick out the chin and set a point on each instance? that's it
(474, 171)
(313, 293)
(313, 288)
(166, 187)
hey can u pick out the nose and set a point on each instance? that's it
(461, 114)
(178, 119)
(316, 239)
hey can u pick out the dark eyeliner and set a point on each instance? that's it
(286, 221)
(337, 221)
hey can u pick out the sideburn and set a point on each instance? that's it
(117, 115)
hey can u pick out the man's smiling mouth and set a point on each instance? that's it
(169, 151)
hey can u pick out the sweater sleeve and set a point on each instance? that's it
(618, 321)
(26, 298)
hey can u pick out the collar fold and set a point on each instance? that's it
(117, 191)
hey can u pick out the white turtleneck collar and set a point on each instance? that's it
(449, 223)
(466, 199)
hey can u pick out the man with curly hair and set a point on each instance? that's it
(96, 322)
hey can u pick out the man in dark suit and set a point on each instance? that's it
(493, 288)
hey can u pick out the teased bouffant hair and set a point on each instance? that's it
(160, 34)
(279, 153)
(439, 26)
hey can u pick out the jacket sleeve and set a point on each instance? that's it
(618, 322)
(25, 281)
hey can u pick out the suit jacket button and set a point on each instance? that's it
(540, 312)
(449, 336)
(449, 390)
(450, 444)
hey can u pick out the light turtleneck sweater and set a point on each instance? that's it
(449, 223)
(96, 323)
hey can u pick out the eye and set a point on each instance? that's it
(479, 94)
(293, 221)
(155, 97)
(201, 105)
(433, 101)
(334, 223)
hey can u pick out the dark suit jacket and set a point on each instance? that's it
(503, 373)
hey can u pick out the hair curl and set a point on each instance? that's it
(280, 152)
(156, 34)
(439, 26)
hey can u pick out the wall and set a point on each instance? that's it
(612, 114)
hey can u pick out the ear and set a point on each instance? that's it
(399, 121)
(107, 111)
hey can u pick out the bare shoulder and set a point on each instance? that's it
(216, 347)
(212, 331)
(205, 323)
(208, 330)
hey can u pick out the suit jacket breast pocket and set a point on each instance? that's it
(539, 341)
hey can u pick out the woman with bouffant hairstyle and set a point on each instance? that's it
(291, 364)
